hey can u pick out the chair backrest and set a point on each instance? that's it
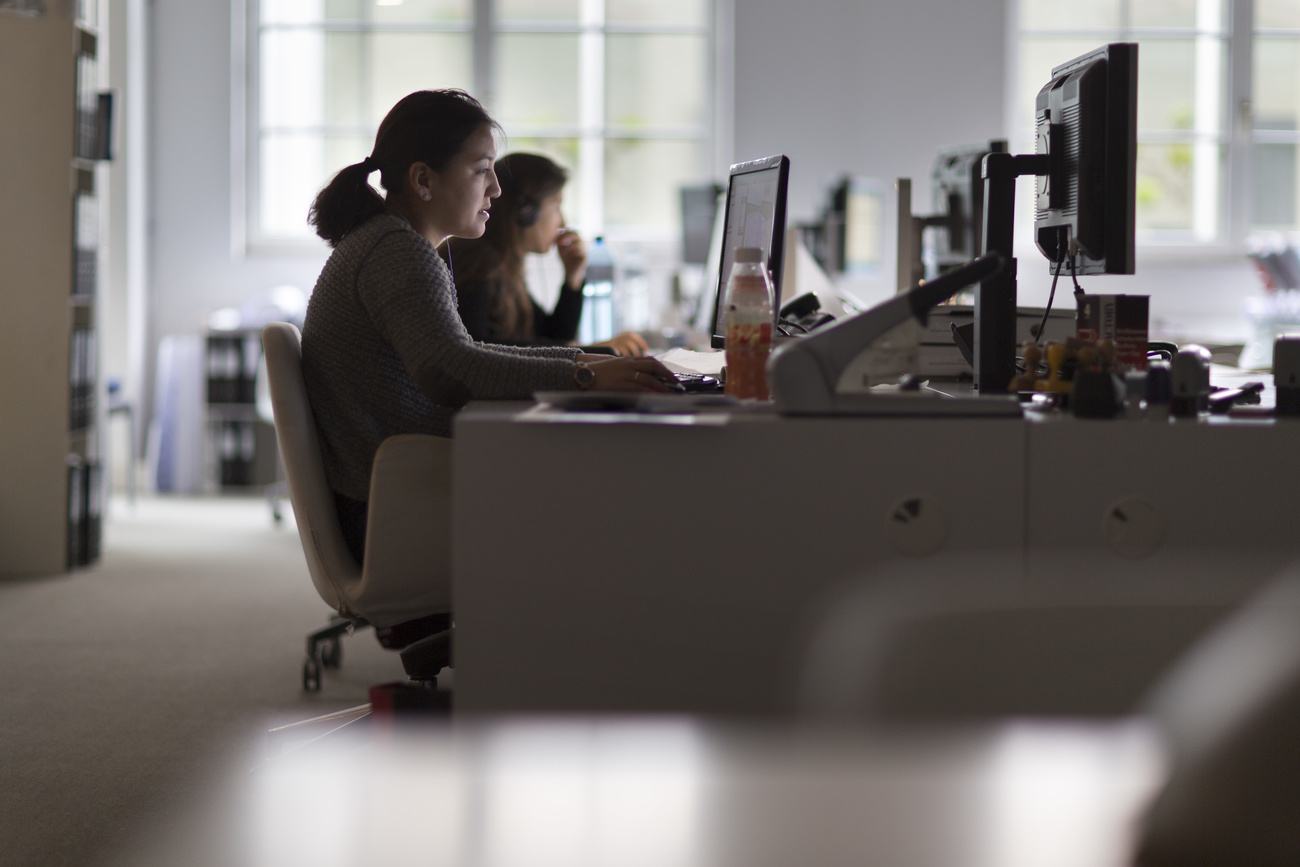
(1230, 715)
(334, 571)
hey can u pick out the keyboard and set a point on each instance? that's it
(699, 383)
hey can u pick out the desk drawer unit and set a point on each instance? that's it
(658, 567)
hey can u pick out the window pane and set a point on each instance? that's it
(655, 80)
(1275, 186)
(692, 13)
(400, 63)
(1167, 85)
(367, 73)
(1277, 13)
(294, 168)
(291, 84)
(538, 10)
(1069, 15)
(565, 152)
(1165, 13)
(642, 177)
(291, 11)
(537, 78)
(403, 11)
(1164, 186)
(1037, 58)
(1276, 102)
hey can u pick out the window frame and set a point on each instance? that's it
(1236, 135)
(713, 134)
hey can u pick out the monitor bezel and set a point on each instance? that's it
(776, 254)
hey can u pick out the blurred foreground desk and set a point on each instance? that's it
(639, 564)
(677, 793)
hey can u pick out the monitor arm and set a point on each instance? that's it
(995, 302)
(807, 375)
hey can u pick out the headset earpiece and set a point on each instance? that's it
(527, 213)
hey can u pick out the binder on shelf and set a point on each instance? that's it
(76, 509)
(92, 518)
(87, 98)
(85, 247)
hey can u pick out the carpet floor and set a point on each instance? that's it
(125, 687)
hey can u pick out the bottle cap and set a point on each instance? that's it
(749, 254)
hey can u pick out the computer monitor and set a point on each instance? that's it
(754, 216)
(955, 233)
(1086, 124)
(851, 228)
(699, 205)
(1086, 162)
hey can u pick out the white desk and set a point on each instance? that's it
(644, 567)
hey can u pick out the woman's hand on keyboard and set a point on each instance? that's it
(630, 374)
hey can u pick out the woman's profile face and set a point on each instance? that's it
(540, 236)
(461, 199)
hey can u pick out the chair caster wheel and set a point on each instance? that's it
(332, 652)
(311, 675)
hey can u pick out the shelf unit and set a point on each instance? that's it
(51, 491)
(240, 453)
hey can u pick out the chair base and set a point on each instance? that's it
(423, 657)
(325, 650)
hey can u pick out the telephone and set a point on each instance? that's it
(802, 314)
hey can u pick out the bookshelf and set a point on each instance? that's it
(51, 491)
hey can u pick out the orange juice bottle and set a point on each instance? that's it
(749, 325)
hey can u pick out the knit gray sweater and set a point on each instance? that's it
(384, 351)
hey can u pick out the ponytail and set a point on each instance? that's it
(345, 203)
(428, 126)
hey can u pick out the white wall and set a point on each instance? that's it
(871, 88)
(195, 266)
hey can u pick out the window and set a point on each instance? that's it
(618, 91)
(1182, 81)
(1219, 106)
(1276, 107)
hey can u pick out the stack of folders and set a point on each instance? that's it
(81, 380)
(236, 450)
(232, 368)
(940, 357)
(85, 511)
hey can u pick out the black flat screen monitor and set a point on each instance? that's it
(754, 217)
(957, 201)
(1086, 124)
(699, 205)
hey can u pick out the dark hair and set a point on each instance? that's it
(428, 126)
(497, 258)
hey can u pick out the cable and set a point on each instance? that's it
(1078, 290)
(1051, 296)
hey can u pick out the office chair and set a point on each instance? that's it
(965, 635)
(403, 588)
(1229, 714)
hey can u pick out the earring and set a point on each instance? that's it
(424, 196)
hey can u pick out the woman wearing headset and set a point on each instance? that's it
(491, 291)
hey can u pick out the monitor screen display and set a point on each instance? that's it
(754, 217)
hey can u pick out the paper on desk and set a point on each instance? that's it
(690, 361)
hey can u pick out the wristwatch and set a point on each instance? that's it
(583, 375)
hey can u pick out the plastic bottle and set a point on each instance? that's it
(749, 325)
(597, 321)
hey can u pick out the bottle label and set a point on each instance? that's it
(749, 335)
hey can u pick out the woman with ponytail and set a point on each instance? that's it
(384, 351)
(493, 296)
